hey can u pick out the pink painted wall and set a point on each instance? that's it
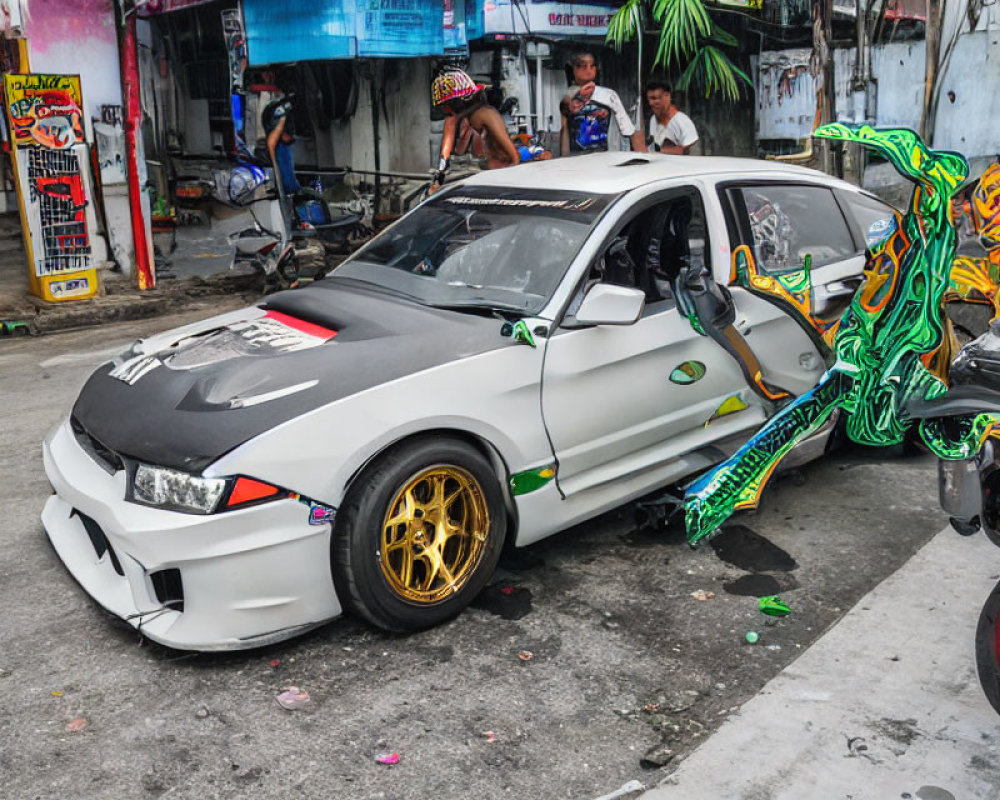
(76, 37)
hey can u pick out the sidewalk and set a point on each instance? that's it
(886, 705)
(119, 300)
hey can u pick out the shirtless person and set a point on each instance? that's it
(462, 98)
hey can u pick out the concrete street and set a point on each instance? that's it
(626, 661)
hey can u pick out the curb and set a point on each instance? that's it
(120, 304)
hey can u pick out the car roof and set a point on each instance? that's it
(616, 172)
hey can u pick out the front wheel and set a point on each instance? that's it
(419, 534)
(988, 648)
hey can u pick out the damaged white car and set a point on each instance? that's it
(522, 352)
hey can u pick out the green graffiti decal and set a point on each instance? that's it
(531, 479)
(892, 343)
(688, 372)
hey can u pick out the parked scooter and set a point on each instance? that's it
(270, 218)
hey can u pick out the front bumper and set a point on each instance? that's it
(249, 577)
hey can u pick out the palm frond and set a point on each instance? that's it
(681, 23)
(625, 24)
(712, 70)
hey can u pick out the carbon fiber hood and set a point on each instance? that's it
(191, 402)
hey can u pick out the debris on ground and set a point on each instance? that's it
(773, 606)
(629, 788)
(701, 594)
(202, 713)
(490, 737)
(525, 655)
(56, 693)
(387, 758)
(752, 637)
(292, 697)
(76, 725)
(656, 756)
(275, 662)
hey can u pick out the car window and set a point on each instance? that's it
(481, 247)
(791, 221)
(654, 244)
(875, 219)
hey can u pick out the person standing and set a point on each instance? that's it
(670, 129)
(587, 111)
(463, 100)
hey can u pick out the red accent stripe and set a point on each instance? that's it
(247, 489)
(301, 325)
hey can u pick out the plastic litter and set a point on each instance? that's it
(387, 758)
(508, 590)
(56, 693)
(490, 737)
(292, 698)
(525, 655)
(628, 788)
(701, 594)
(773, 606)
(76, 725)
(275, 662)
(752, 637)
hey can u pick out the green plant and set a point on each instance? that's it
(688, 38)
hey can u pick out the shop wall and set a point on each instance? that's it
(786, 98)
(76, 37)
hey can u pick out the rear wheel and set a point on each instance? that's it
(419, 534)
(988, 648)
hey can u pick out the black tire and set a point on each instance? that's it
(404, 591)
(988, 648)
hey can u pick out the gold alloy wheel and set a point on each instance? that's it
(434, 534)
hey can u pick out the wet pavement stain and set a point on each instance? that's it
(748, 550)
(934, 793)
(753, 586)
(507, 602)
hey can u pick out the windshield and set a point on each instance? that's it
(481, 247)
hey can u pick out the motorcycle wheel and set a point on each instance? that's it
(988, 648)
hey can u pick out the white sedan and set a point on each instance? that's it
(524, 351)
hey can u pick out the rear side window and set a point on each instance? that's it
(875, 219)
(789, 222)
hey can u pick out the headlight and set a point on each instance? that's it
(170, 488)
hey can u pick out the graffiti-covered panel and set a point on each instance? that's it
(50, 156)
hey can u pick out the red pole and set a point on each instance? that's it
(133, 124)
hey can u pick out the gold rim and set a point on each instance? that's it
(434, 534)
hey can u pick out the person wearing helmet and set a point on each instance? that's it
(278, 124)
(462, 99)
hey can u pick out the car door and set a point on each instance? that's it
(624, 398)
(787, 224)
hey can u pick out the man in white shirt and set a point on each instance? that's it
(587, 111)
(670, 129)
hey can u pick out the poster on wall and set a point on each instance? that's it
(50, 153)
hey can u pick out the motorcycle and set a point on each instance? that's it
(969, 488)
(265, 225)
(258, 227)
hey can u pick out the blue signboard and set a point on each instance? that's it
(290, 30)
(388, 28)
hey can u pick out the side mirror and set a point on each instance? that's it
(607, 304)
